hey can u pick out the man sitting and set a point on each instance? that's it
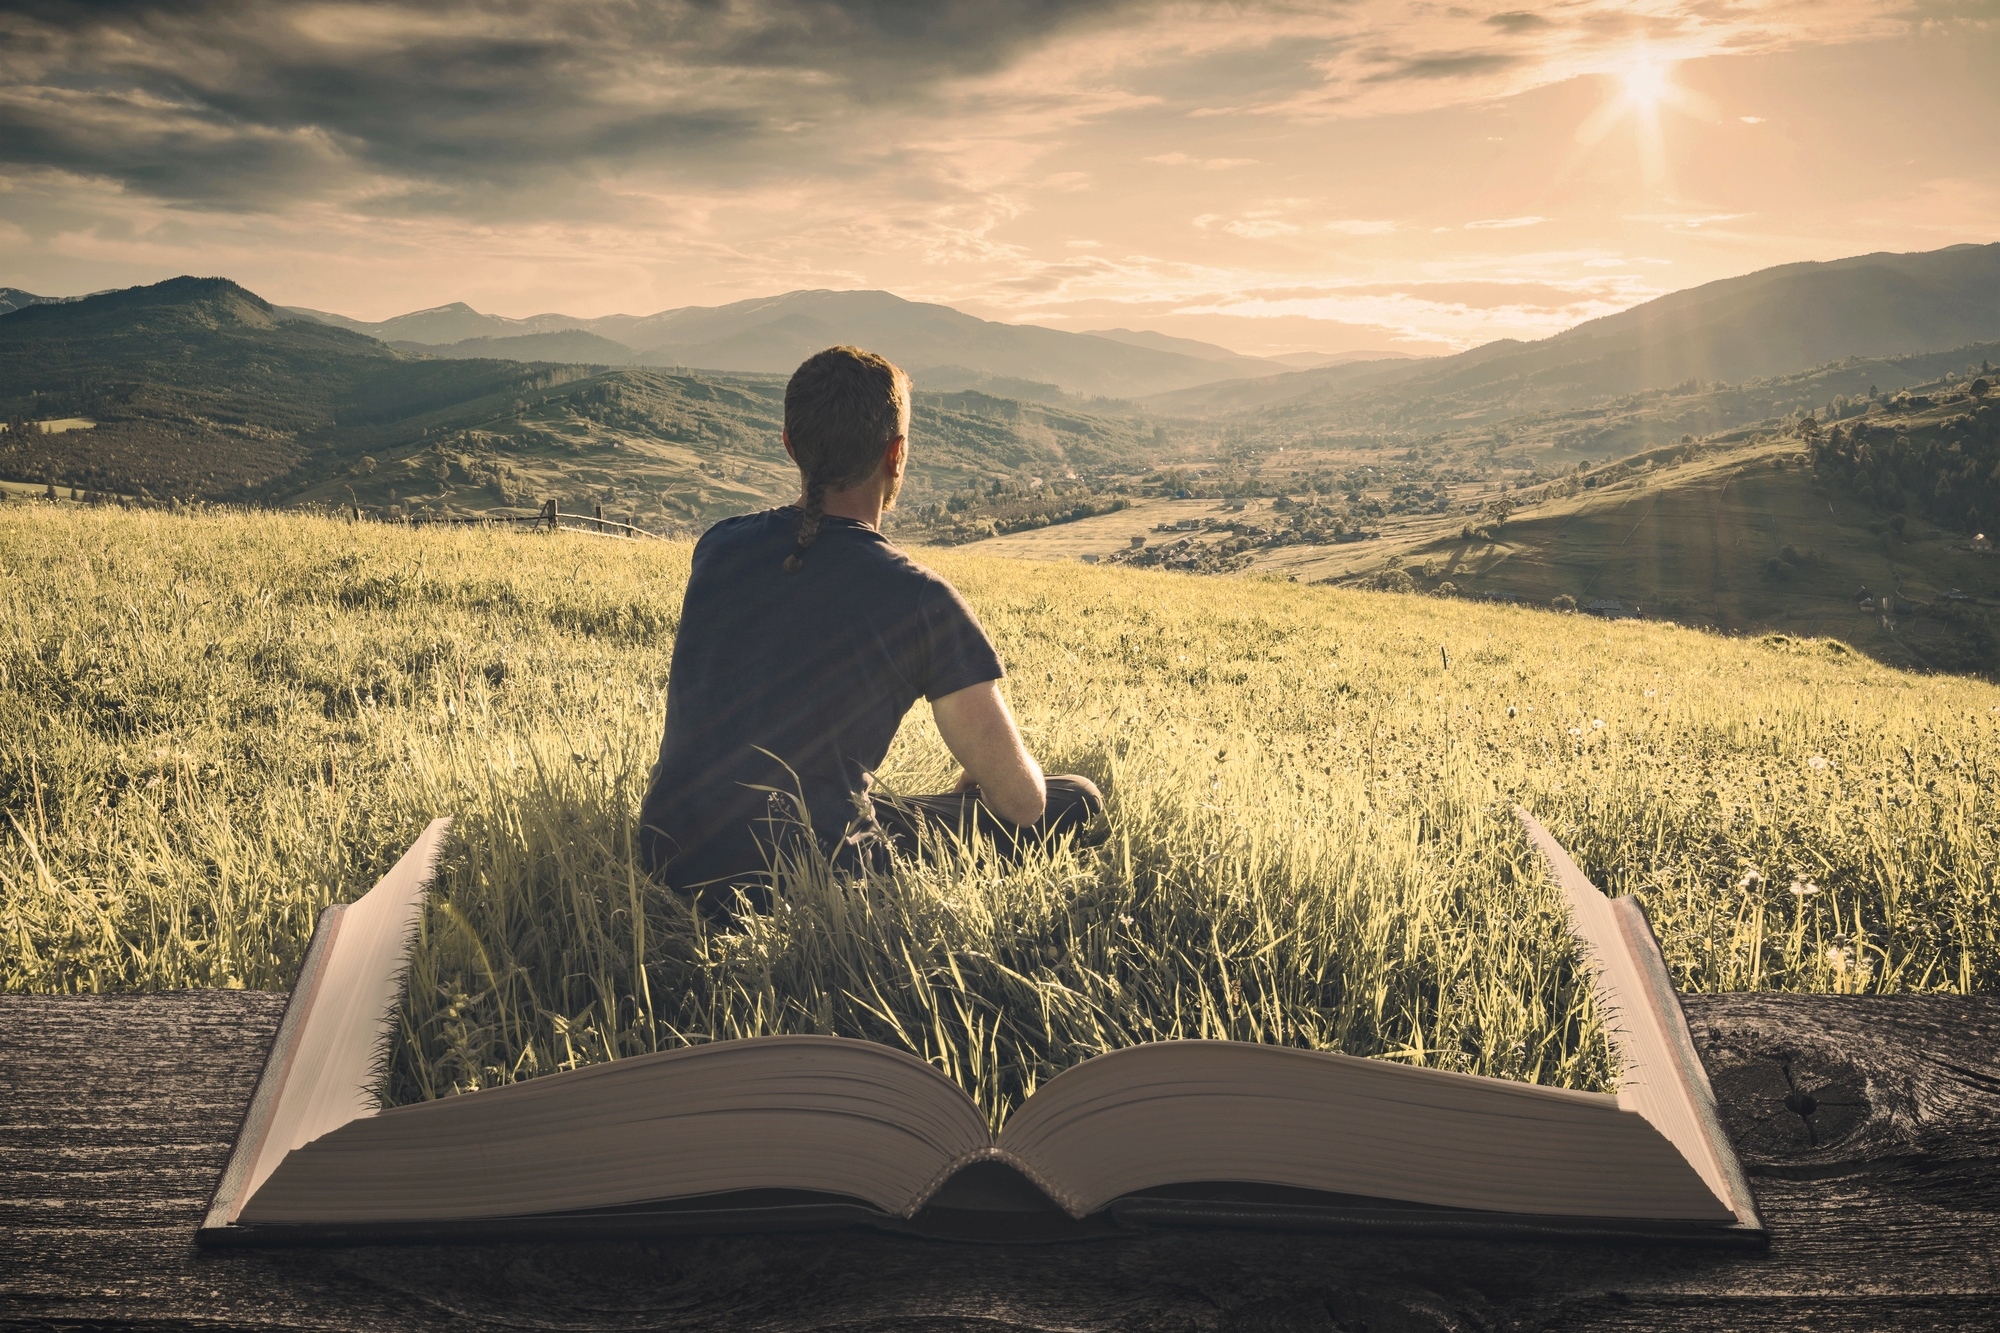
(804, 638)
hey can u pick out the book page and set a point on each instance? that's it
(844, 1118)
(1655, 1083)
(326, 1081)
(1176, 1112)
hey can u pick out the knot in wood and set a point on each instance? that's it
(1791, 1105)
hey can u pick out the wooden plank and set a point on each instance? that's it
(1883, 1200)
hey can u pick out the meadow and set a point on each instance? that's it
(213, 726)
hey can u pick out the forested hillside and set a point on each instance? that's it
(1939, 453)
(196, 388)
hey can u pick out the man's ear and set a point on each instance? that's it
(893, 455)
(790, 452)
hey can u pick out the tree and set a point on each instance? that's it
(1562, 601)
(1980, 387)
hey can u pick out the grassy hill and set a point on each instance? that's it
(197, 388)
(212, 726)
(1765, 533)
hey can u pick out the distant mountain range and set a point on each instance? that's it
(13, 298)
(197, 388)
(771, 335)
(1777, 321)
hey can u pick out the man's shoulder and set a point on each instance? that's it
(739, 527)
(894, 557)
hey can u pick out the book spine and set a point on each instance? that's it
(250, 1135)
(1644, 946)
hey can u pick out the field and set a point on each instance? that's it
(211, 727)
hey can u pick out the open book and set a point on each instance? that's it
(786, 1132)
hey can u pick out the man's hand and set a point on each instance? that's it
(982, 736)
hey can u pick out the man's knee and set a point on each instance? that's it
(1072, 800)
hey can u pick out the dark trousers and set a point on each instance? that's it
(905, 821)
(1073, 802)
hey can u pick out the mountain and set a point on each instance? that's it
(571, 345)
(443, 324)
(1776, 321)
(771, 335)
(1162, 342)
(1315, 360)
(198, 388)
(1319, 385)
(195, 385)
(13, 298)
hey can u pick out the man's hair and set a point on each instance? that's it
(842, 407)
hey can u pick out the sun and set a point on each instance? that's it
(1648, 82)
(1641, 87)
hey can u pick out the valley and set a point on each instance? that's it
(1550, 472)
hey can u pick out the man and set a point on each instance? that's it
(804, 639)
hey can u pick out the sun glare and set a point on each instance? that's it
(1647, 83)
(1640, 87)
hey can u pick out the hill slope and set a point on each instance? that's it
(201, 389)
(1744, 537)
(574, 346)
(1776, 321)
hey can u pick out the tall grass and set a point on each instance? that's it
(212, 727)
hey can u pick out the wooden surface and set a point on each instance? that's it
(1883, 1202)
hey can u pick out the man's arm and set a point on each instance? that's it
(982, 736)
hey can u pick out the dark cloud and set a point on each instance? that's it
(1445, 65)
(243, 102)
(1519, 20)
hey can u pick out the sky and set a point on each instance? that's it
(1279, 177)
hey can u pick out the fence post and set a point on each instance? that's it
(597, 513)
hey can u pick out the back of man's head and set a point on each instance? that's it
(842, 407)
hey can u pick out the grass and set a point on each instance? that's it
(211, 727)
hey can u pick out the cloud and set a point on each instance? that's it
(1685, 221)
(1444, 65)
(407, 106)
(1206, 163)
(1257, 225)
(1517, 21)
(1459, 315)
(1381, 57)
(255, 102)
(592, 155)
(1260, 229)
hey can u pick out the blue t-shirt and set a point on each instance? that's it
(794, 682)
